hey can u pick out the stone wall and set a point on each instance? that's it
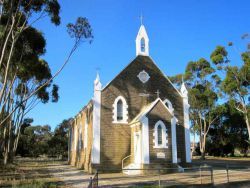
(115, 138)
(81, 157)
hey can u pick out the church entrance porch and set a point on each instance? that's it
(153, 139)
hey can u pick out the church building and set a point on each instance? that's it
(139, 120)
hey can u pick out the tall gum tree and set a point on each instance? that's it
(236, 82)
(25, 78)
(202, 83)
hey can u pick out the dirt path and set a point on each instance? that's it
(72, 177)
(59, 174)
(68, 176)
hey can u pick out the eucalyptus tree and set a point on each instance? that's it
(203, 83)
(228, 133)
(236, 83)
(21, 69)
(25, 78)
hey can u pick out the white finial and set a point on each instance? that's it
(97, 79)
(141, 19)
(97, 82)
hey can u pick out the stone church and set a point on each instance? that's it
(138, 120)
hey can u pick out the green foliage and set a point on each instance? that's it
(30, 45)
(81, 31)
(50, 7)
(39, 140)
(25, 77)
(59, 141)
(219, 55)
(34, 141)
(227, 134)
(209, 85)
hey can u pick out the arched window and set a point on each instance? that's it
(160, 135)
(142, 45)
(159, 132)
(119, 110)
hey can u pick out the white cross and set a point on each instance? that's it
(158, 93)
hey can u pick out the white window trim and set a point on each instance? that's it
(140, 76)
(124, 110)
(164, 135)
(169, 106)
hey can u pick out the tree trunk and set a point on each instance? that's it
(203, 155)
(193, 148)
(248, 125)
(203, 146)
(7, 146)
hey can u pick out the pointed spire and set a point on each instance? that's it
(97, 78)
(142, 40)
(97, 82)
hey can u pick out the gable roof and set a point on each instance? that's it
(140, 58)
(147, 109)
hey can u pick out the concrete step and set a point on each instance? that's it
(131, 169)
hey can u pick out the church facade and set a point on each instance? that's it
(138, 120)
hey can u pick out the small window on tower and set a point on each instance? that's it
(142, 45)
(119, 110)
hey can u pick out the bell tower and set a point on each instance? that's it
(142, 41)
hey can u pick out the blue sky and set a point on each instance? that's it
(179, 31)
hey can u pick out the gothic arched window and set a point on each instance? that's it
(142, 45)
(119, 110)
(160, 135)
(159, 132)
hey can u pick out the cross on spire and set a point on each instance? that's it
(141, 19)
(97, 69)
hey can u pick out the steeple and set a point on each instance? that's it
(142, 41)
(186, 122)
(95, 157)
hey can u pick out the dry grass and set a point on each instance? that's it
(28, 173)
(46, 173)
